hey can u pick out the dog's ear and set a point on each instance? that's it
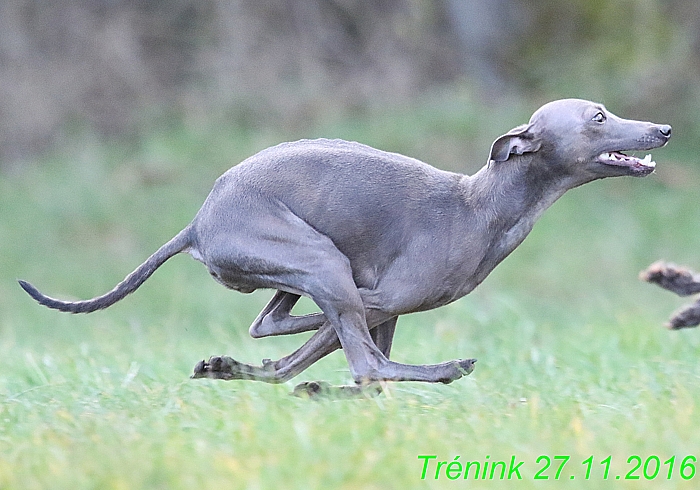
(517, 141)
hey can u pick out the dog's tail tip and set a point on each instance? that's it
(44, 300)
(29, 289)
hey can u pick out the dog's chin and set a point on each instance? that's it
(621, 164)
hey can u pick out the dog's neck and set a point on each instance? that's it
(506, 199)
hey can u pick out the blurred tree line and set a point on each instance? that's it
(113, 67)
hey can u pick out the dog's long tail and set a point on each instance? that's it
(131, 283)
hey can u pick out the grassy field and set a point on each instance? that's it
(573, 360)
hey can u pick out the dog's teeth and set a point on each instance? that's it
(648, 161)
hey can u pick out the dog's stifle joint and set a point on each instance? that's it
(370, 235)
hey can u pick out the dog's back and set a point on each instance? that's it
(367, 201)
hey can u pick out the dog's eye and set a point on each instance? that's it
(599, 117)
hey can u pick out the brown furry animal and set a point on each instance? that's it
(681, 281)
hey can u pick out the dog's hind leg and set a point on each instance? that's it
(383, 335)
(277, 319)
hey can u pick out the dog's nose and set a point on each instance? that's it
(665, 130)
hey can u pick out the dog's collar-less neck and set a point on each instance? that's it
(510, 197)
(513, 191)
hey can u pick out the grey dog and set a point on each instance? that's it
(370, 235)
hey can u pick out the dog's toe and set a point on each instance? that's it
(200, 369)
(311, 389)
(467, 365)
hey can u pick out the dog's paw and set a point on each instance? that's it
(320, 389)
(457, 369)
(218, 367)
(467, 366)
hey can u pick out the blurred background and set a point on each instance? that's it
(120, 68)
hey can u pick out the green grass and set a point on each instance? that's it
(572, 357)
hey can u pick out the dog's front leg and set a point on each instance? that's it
(277, 319)
(322, 343)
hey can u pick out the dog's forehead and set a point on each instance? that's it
(558, 111)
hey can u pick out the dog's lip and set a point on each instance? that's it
(637, 166)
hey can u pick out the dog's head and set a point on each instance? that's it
(578, 137)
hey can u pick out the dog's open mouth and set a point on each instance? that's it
(636, 166)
